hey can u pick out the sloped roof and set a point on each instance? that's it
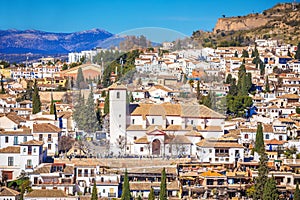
(45, 128)
(10, 149)
(180, 139)
(219, 143)
(168, 109)
(5, 191)
(274, 142)
(33, 143)
(142, 140)
(193, 133)
(44, 193)
(117, 86)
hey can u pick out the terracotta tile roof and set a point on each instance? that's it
(289, 96)
(219, 143)
(142, 140)
(193, 133)
(23, 131)
(212, 128)
(286, 120)
(167, 109)
(211, 174)
(45, 128)
(268, 128)
(10, 149)
(274, 142)
(5, 191)
(15, 118)
(44, 193)
(43, 169)
(248, 130)
(118, 86)
(134, 128)
(33, 143)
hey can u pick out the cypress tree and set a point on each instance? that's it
(52, 105)
(259, 140)
(270, 190)
(106, 104)
(78, 113)
(233, 90)
(228, 79)
(263, 171)
(198, 90)
(94, 192)
(151, 194)
(55, 113)
(163, 186)
(236, 54)
(267, 84)
(245, 53)
(2, 85)
(126, 188)
(297, 193)
(79, 79)
(36, 102)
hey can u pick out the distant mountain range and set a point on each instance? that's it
(40, 42)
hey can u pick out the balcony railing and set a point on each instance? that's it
(112, 194)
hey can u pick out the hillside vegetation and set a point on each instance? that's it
(282, 22)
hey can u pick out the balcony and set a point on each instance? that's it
(28, 167)
(112, 194)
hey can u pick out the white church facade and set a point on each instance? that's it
(159, 129)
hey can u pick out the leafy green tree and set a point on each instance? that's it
(233, 90)
(80, 79)
(139, 197)
(270, 190)
(259, 140)
(297, 193)
(106, 104)
(151, 194)
(163, 186)
(103, 93)
(267, 84)
(297, 54)
(94, 192)
(126, 188)
(298, 110)
(36, 101)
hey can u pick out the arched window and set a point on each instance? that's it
(280, 137)
(246, 136)
(267, 137)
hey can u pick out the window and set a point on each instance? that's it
(6, 139)
(210, 151)
(49, 146)
(172, 121)
(119, 115)
(192, 122)
(34, 150)
(134, 138)
(118, 95)
(246, 136)
(80, 172)
(10, 161)
(152, 121)
(25, 139)
(103, 191)
(29, 163)
(15, 140)
(132, 121)
(280, 137)
(24, 149)
(141, 149)
(40, 137)
(267, 136)
(49, 137)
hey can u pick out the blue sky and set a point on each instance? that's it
(117, 16)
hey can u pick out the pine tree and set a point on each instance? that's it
(94, 192)
(79, 79)
(259, 140)
(267, 84)
(36, 102)
(126, 188)
(270, 190)
(163, 186)
(151, 194)
(106, 104)
(297, 193)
